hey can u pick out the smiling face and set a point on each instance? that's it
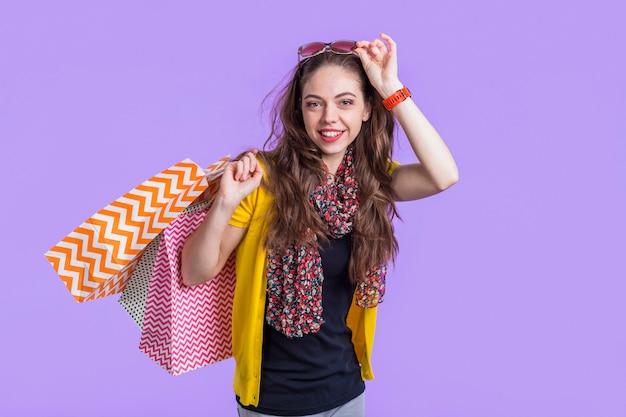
(333, 108)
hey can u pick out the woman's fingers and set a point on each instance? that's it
(390, 42)
(249, 165)
(378, 48)
(245, 167)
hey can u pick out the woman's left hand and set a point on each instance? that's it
(380, 62)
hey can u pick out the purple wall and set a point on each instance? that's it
(507, 299)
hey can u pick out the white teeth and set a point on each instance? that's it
(330, 134)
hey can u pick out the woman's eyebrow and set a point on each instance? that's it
(345, 93)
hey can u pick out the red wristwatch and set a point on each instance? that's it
(396, 98)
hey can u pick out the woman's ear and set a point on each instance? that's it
(368, 110)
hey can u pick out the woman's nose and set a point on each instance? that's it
(330, 114)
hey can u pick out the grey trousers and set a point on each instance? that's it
(354, 408)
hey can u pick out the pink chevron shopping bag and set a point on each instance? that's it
(98, 257)
(185, 328)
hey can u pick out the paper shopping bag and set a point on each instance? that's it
(98, 257)
(185, 328)
(133, 298)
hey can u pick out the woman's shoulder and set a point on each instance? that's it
(392, 165)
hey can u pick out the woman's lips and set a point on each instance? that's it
(330, 135)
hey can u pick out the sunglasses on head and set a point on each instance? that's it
(312, 49)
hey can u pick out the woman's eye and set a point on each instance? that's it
(346, 102)
(313, 104)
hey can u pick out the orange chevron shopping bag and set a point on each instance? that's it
(98, 257)
(185, 328)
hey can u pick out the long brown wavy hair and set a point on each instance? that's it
(293, 164)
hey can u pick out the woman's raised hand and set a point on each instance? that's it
(380, 62)
(240, 178)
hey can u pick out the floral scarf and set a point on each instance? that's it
(295, 277)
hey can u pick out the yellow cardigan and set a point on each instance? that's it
(249, 302)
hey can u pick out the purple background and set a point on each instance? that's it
(507, 298)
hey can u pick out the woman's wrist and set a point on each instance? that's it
(396, 98)
(225, 203)
(389, 88)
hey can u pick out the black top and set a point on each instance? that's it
(319, 371)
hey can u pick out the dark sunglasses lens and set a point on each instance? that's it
(311, 49)
(343, 47)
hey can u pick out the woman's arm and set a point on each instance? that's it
(436, 170)
(206, 251)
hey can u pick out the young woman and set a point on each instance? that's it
(311, 223)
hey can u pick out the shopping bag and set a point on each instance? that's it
(185, 328)
(99, 256)
(133, 298)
